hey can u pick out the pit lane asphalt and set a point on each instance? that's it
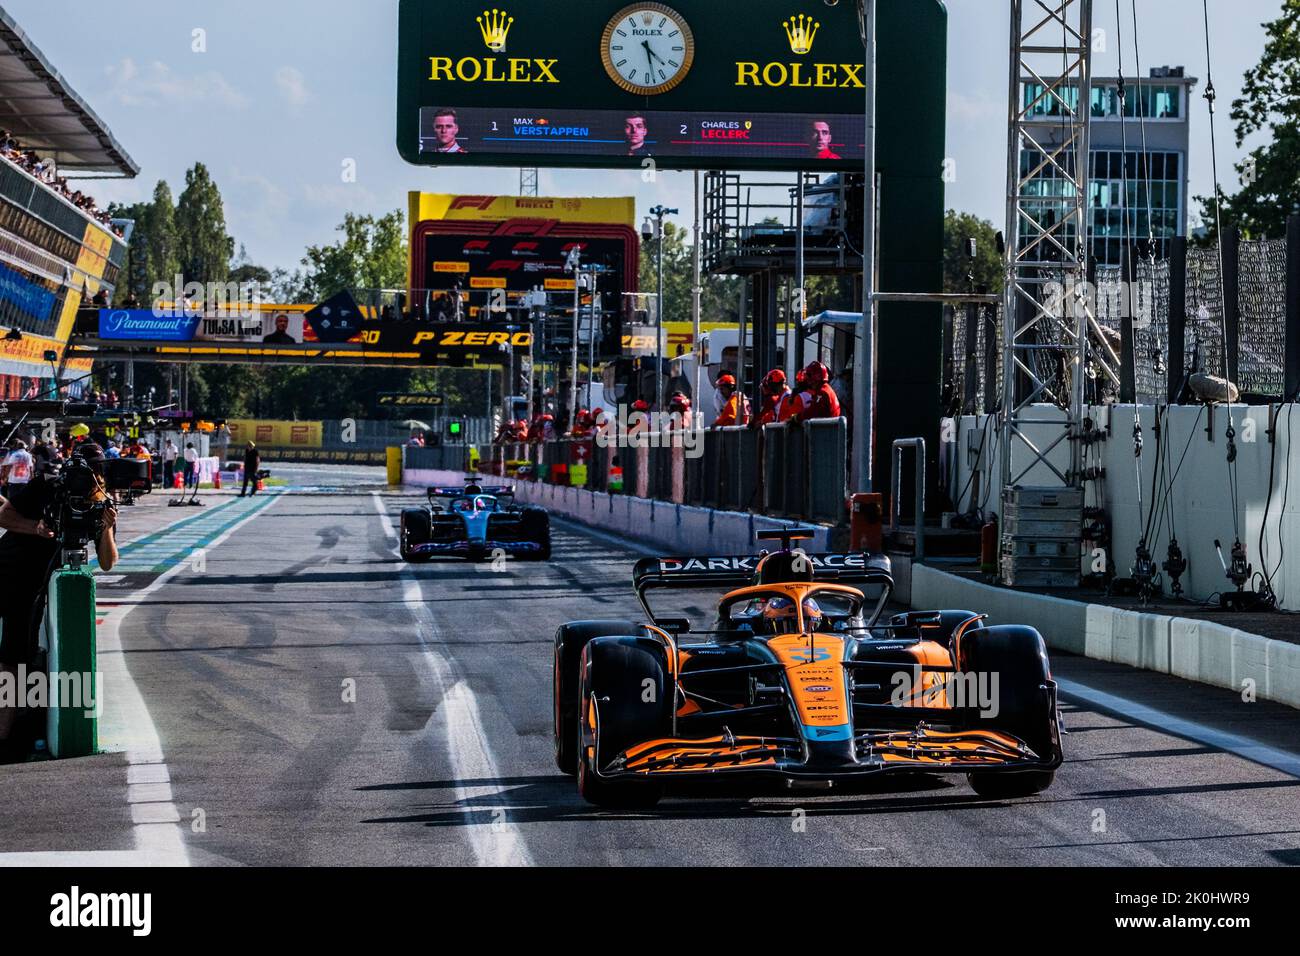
(445, 756)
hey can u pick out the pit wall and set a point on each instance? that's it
(1203, 651)
(675, 529)
(1200, 499)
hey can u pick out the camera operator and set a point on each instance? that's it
(30, 552)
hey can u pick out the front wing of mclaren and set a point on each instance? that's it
(857, 753)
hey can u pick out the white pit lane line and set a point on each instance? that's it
(126, 727)
(1236, 744)
(498, 842)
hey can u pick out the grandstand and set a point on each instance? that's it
(57, 247)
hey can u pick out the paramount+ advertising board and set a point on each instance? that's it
(690, 84)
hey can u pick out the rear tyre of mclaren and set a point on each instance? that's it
(416, 528)
(625, 699)
(570, 640)
(1018, 656)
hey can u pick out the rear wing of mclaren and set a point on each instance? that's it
(729, 573)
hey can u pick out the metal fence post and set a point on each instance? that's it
(1291, 335)
(917, 444)
(1127, 352)
(1177, 317)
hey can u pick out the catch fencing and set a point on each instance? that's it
(1229, 309)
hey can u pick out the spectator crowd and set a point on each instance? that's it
(44, 169)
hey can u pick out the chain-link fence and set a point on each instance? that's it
(974, 357)
(1254, 326)
(1261, 347)
(1203, 341)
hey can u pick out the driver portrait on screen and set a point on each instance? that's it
(281, 334)
(821, 140)
(445, 130)
(635, 132)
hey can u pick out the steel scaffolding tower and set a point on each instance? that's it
(528, 181)
(1046, 326)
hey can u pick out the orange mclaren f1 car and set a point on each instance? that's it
(799, 677)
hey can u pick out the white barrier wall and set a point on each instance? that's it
(673, 529)
(1199, 504)
(1202, 651)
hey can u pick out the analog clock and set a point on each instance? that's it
(647, 48)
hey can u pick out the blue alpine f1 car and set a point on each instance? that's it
(477, 524)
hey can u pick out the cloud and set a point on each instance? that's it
(292, 86)
(158, 85)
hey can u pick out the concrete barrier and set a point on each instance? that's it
(1202, 651)
(663, 526)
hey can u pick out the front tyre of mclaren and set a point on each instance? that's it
(570, 641)
(1011, 662)
(625, 698)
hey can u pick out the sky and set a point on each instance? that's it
(288, 92)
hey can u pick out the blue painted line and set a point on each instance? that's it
(163, 549)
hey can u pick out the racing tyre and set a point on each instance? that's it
(1026, 705)
(536, 525)
(416, 528)
(617, 674)
(570, 639)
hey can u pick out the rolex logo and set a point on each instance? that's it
(647, 18)
(801, 31)
(495, 26)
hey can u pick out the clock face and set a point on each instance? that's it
(647, 48)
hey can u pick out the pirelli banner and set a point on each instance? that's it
(273, 434)
(740, 84)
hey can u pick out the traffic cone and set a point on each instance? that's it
(177, 481)
(261, 485)
(216, 480)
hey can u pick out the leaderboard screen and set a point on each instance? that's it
(835, 140)
(517, 263)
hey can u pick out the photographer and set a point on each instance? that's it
(30, 552)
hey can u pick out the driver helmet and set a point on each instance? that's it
(781, 617)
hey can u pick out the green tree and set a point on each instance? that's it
(370, 255)
(204, 248)
(134, 278)
(987, 268)
(719, 295)
(1269, 103)
(163, 241)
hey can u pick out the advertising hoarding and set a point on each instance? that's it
(745, 84)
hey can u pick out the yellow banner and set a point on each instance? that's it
(272, 434)
(426, 206)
